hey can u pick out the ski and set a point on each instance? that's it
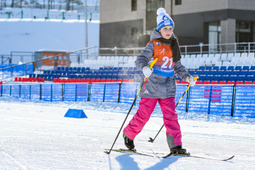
(130, 151)
(168, 155)
(200, 157)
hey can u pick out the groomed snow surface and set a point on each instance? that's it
(29, 35)
(36, 135)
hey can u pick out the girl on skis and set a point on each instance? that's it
(160, 85)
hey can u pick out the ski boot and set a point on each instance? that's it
(178, 150)
(129, 142)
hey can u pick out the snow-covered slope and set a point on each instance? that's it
(32, 35)
(38, 136)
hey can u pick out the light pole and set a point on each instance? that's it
(86, 29)
(171, 14)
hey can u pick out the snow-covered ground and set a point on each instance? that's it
(33, 35)
(30, 34)
(36, 135)
(36, 13)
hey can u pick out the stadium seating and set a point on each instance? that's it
(211, 68)
(213, 74)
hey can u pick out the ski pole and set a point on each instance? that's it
(152, 140)
(145, 79)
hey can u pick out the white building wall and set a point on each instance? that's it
(120, 10)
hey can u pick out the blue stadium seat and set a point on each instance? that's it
(116, 68)
(71, 76)
(83, 69)
(252, 68)
(242, 75)
(240, 79)
(131, 76)
(209, 77)
(201, 68)
(101, 71)
(220, 73)
(89, 75)
(114, 71)
(131, 70)
(235, 72)
(213, 72)
(227, 73)
(79, 70)
(244, 72)
(217, 77)
(205, 72)
(199, 72)
(93, 75)
(223, 68)
(110, 71)
(232, 78)
(99, 75)
(238, 68)
(250, 78)
(208, 67)
(104, 76)
(114, 76)
(246, 67)
(191, 72)
(216, 68)
(109, 76)
(230, 68)
(202, 77)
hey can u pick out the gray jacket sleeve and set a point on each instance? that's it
(180, 70)
(144, 58)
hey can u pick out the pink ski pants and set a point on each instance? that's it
(170, 117)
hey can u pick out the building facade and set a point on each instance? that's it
(128, 23)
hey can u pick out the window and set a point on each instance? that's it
(133, 5)
(151, 13)
(243, 31)
(133, 31)
(153, 5)
(214, 35)
(178, 2)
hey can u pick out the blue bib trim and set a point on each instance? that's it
(163, 73)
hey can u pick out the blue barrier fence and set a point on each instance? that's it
(13, 70)
(35, 92)
(222, 100)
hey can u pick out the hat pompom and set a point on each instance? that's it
(161, 10)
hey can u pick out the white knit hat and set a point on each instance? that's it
(163, 19)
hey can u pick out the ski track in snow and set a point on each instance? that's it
(36, 135)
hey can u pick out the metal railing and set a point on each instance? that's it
(9, 70)
(79, 57)
(95, 51)
(246, 47)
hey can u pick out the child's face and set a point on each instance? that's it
(166, 32)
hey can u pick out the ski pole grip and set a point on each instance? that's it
(195, 78)
(151, 65)
(153, 62)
